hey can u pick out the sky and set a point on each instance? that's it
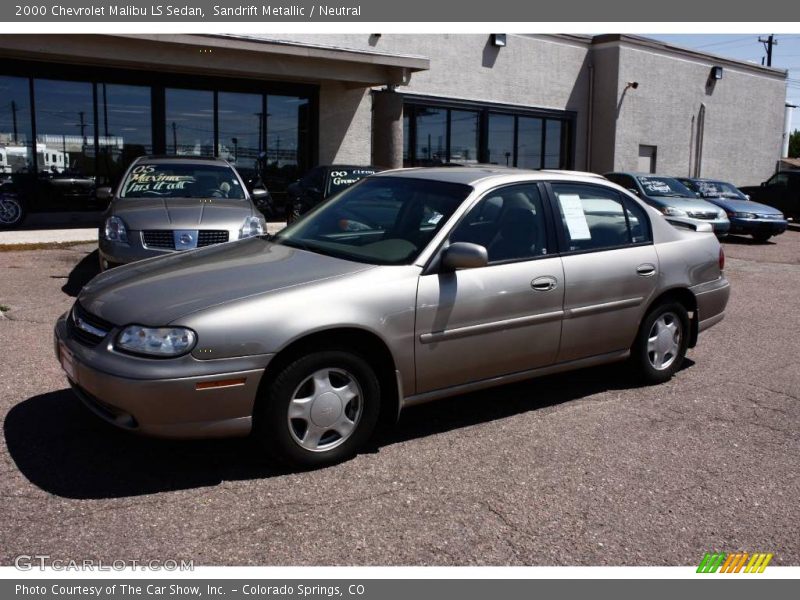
(786, 55)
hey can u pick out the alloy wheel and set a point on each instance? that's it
(10, 211)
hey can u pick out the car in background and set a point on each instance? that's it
(674, 200)
(167, 204)
(412, 285)
(781, 191)
(746, 217)
(319, 184)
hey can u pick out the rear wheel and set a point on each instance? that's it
(661, 342)
(12, 212)
(319, 410)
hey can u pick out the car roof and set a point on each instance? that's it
(640, 174)
(177, 158)
(472, 175)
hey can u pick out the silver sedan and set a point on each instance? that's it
(167, 204)
(410, 286)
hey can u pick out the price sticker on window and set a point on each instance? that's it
(572, 209)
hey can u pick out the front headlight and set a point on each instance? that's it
(115, 230)
(252, 226)
(156, 341)
(745, 215)
(672, 211)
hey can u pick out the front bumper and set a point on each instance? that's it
(172, 406)
(758, 226)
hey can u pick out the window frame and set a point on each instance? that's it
(434, 263)
(627, 202)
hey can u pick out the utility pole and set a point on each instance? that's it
(768, 44)
(14, 118)
(174, 138)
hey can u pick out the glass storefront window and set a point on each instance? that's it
(464, 128)
(241, 124)
(552, 145)
(16, 147)
(189, 122)
(287, 140)
(125, 129)
(431, 147)
(500, 148)
(406, 135)
(529, 143)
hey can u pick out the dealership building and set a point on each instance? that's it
(83, 106)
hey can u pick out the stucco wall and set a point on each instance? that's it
(743, 116)
(531, 71)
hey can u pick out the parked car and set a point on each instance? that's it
(673, 200)
(166, 204)
(746, 217)
(407, 287)
(781, 191)
(320, 183)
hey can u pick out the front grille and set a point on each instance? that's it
(209, 237)
(87, 328)
(158, 238)
(702, 214)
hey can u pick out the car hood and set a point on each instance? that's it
(159, 290)
(735, 205)
(683, 203)
(181, 213)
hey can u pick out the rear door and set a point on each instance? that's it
(503, 318)
(610, 268)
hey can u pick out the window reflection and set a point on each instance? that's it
(552, 145)
(500, 150)
(125, 129)
(241, 121)
(463, 136)
(16, 148)
(431, 146)
(287, 141)
(529, 143)
(190, 122)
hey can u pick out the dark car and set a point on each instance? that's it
(320, 183)
(746, 217)
(781, 191)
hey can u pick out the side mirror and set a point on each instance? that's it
(748, 196)
(259, 194)
(464, 255)
(104, 193)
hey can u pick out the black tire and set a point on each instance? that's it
(12, 212)
(646, 360)
(762, 237)
(280, 437)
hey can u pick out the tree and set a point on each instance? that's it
(794, 144)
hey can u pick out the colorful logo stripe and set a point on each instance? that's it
(734, 563)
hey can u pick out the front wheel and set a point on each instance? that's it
(319, 410)
(661, 342)
(762, 237)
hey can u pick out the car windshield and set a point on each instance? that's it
(718, 189)
(664, 186)
(341, 178)
(380, 221)
(181, 180)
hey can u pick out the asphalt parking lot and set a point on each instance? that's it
(578, 469)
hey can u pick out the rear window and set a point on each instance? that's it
(181, 180)
(344, 178)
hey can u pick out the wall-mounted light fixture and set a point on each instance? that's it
(716, 73)
(632, 84)
(499, 40)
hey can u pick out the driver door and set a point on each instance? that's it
(475, 324)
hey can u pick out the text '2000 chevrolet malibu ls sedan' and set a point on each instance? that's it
(410, 286)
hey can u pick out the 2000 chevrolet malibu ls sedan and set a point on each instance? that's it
(410, 286)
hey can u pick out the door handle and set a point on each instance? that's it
(646, 270)
(544, 283)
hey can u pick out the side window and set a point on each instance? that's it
(779, 180)
(597, 218)
(509, 222)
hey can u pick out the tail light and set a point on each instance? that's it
(721, 258)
